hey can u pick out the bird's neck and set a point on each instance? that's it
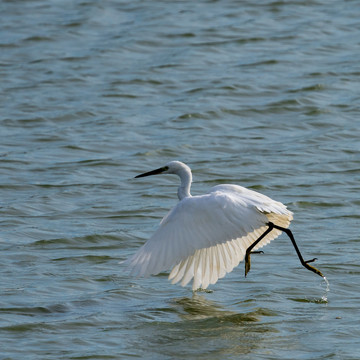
(186, 179)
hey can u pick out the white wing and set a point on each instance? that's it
(204, 237)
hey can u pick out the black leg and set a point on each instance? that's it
(248, 250)
(303, 263)
(290, 235)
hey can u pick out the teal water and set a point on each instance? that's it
(264, 94)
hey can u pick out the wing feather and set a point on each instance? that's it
(214, 261)
(178, 271)
(189, 271)
(206, 272)
(205, 237)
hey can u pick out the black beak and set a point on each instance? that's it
(153, 172)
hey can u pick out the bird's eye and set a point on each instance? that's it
(165, 168)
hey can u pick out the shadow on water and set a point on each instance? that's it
(206, 328)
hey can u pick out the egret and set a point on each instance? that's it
(204, 237)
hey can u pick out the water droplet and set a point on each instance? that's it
(324, 297)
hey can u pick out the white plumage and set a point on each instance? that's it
(204, 237)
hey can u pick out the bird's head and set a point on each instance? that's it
(173, 167)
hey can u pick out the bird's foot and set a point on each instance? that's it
(312, 268)
(247, 263)
(247, 260)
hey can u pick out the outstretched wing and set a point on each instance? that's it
(207, 236)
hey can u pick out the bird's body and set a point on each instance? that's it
(204, 237)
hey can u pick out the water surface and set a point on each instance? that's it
(263, 94)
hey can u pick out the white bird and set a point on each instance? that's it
(206, 236)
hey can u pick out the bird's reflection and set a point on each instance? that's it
(199, 307)
(233, 332)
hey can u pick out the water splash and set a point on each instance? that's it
(324, 297)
